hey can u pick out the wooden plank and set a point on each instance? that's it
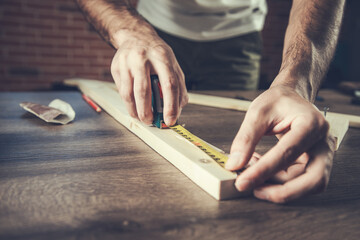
(354, 120)
(189, 159)
(338, 128)
(242, 105)
(219, 102)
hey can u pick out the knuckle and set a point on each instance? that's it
(144, 116)
(255, 114)
(141, 89)
(141, 92)
(317, 124)
(141, 52)
(308, 122)
(171, 85)
(138, 55)
(256, 106)
(161, 51)
(245, 138)
(127, 96)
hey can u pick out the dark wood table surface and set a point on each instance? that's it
(94, 179)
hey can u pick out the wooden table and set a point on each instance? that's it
(94, 179)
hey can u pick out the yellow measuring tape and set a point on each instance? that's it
(157, 105)
(219, 157)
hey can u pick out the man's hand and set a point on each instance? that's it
(140, 52)
(136, 58)
(299, 164)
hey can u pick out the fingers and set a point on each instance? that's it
(252, 129)
(142, 93)
(300, 130)
(124, 83)
(131, 72)
(304, 133)
(254, 159)
(294, 170)
(172, 83)
(171, 91)
(314, 179)
(300, 138)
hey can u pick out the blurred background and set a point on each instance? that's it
(43, 42)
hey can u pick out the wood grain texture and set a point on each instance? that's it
(93, 179)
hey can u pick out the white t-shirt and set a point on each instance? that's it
(205, 20)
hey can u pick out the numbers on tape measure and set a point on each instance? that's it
(214, 154)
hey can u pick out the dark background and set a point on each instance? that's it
(43, 42)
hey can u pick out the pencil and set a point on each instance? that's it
(91, 103)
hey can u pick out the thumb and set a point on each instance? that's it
(251, 131)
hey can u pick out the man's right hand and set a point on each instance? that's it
(139, 55)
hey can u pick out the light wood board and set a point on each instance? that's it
(242, 105)
(338, 128)
(189, 159)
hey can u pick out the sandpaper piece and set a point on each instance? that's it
(58, 111)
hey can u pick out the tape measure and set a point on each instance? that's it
(219, 157)
(157, 104)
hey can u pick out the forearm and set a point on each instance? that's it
(309, 44)
(114, 20)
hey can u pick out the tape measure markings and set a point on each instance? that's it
(210, 151)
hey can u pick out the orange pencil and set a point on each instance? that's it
(91, 103)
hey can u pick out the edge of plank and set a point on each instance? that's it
(338, 128)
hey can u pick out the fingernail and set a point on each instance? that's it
(261, 194)
(170, 121)
(243, 185)
(233, 161)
